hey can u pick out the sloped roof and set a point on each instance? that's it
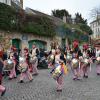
(95, 21)
(56, 20)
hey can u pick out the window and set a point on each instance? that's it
(6, 1)
(98, 30)
(96, 23)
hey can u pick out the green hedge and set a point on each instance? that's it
(7, 17)
(11, 20)
(43, 26)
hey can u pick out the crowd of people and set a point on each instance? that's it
(25, 63)
(78, 60)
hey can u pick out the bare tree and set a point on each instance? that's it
(95, 13)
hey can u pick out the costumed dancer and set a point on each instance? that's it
(2, 88)
(86, 64)
(34, 60)
(13, 59)
(24, 67)
(59, 69)
(98, 61)
(75, 64)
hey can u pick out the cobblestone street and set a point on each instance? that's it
(43, 87)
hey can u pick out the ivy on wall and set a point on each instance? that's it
(11, 20)
(43, 26)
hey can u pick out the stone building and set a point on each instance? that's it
(95, 26)
(22, 40)
(11, 2)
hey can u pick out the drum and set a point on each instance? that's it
(23, 67)
(69, 57)
(21, 59)
(8, 65)
(56, 71)
(85, 61)
(33, 60)
(75, 63)
(50, 58)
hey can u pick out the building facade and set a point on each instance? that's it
(10, 2)
(95, 26)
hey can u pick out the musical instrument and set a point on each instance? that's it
(51, 58)
(69, 57)
(98, 60)
(86, 61)
(33, 60)
(75, 63)
(8, 65)
(21, 59)
(23, 67)
(56, 72)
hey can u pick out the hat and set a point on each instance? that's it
(13, 48)
(26, 49)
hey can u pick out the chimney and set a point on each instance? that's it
(64, 18)
(21, 2)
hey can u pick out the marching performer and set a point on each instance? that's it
(86, 64)
(59, 69)
(24, 67)
(2, 88)
(34, 60)
(14, 60)
(75, 63)
(98, 61)
(75, 66)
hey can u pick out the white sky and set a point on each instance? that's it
(73, 6)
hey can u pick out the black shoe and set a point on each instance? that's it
(35, 74)
(79, 79)
(59, 90)
(85, 76)
(74, 78)
(21, 81)
(15, 77)
(98, 73)
(10, 78)
(2, 94)
(31, 80)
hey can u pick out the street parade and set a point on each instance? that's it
(50, 50)
(25, 64)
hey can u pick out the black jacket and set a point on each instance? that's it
(1, 67)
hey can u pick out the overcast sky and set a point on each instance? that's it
(73, 6)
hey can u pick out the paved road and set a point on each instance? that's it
(43, 88)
